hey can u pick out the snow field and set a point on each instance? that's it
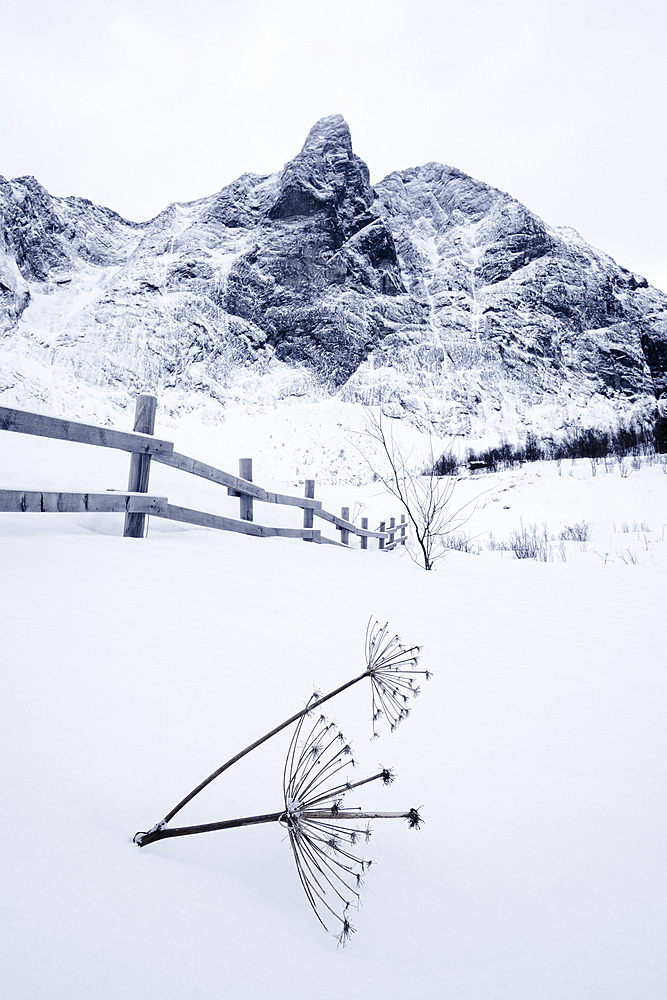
(131, 669)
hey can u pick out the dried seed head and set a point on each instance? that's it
(392, 668)
(346, 933)
(322, 840)
(414, 819)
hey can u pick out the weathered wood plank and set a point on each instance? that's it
(311, 534)
(24, 422)
(196, 468)
(234, 484)
(364, 538)
(341, 523)
(345, 532)
(332, 541)
(35, 501)
(289, 501)
(309, 494)
(205, 520)
(140, 465)
(245, 501)
(397, 541)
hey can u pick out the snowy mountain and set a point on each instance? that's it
(431, 292)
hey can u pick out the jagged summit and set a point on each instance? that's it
(432, 292)
(327, 175)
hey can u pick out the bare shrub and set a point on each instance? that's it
(630, 529)
(529, 542)
(446, 465)
(427, 499)
(593, 443)
(458, 541)
(579, 532)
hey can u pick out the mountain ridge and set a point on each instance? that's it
(432, 293)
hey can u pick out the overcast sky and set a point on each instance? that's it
(138, 103)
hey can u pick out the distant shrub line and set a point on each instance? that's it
(592, 443)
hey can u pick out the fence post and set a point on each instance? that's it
(364, 538)
(140, 465)
(344, 533)
(245, 502)
(309, 493)
(381, 540)
(403, 527)
(392, 524)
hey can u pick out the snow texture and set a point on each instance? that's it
(131, 669)
(432, 293)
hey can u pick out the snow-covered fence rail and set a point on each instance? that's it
(136, 502)
(30, 501)
(25, 422)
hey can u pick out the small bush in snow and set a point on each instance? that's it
(427, 499)
(460, 542)
(579, 532)
(528, 542)
(446, 465)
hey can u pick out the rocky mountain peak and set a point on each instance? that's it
(330, 136)
(327, 176)
(433, 293)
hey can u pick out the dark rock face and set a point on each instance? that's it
(320, 262)
(432, 291)
(518, 307)
(45, 234)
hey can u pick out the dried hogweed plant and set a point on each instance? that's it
(322, 835)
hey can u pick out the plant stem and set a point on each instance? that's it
(351, 814)
(227, 824)
(309, 708)
(142, 839)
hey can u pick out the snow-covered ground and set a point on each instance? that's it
(132, 668)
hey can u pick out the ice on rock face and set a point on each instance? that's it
(431, 292)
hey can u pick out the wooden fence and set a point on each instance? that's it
(136, 502)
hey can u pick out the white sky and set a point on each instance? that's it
(137, 103)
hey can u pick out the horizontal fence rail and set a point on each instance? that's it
(204, 520)
(71, 430)
(136, 503)
(234, 484)
(32, 501)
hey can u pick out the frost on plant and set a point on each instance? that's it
(392, 669)
(323, 836)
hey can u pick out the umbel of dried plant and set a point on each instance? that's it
(392, 669)
(323, 835)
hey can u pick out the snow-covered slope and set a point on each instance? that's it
(131, 669)
(443, 298)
